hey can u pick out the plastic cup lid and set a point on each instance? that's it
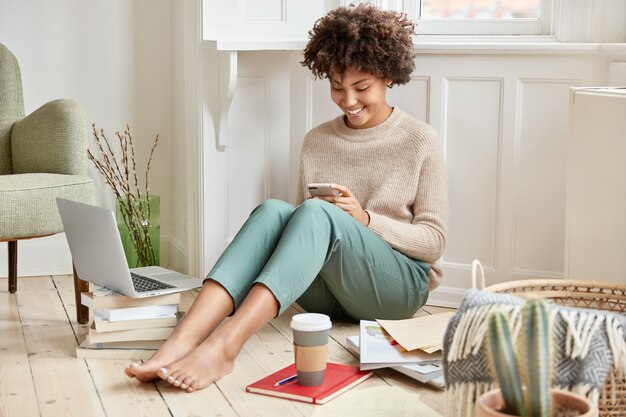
(310, 322)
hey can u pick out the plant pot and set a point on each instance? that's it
(139, 224)
(565, 403)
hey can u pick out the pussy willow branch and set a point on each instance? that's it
(124, 147)
(115, 165)
(134, 168)
(111, 167)
(117, 172)
(156, 142)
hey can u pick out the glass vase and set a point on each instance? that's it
(139, 224)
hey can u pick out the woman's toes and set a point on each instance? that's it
(163, 373)
(186, 383)
(128, 370)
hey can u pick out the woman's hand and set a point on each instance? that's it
(348, 203)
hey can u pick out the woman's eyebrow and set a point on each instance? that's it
(354, 83)
(360, 81)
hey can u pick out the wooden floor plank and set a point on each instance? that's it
(265, 352)
(17, 389)
(120, 395)
(98, 387)
(209, 402)
(63, 384)
(64, 285)
(118, 391)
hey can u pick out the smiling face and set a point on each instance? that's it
(361, 97)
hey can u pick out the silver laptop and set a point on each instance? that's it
(99, 258)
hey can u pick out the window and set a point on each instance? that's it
(480, 9)
(472, 17)
(482, 17)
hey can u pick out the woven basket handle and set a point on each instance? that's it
(477, 268)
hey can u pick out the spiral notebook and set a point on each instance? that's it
(338, 379)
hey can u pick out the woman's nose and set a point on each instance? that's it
(349, 99)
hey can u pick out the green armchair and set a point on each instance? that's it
(42, 156)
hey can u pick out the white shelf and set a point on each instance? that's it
(450, 45)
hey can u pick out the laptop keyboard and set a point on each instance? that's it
(143, 284)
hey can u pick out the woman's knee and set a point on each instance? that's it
(273, 206)
(316, 208)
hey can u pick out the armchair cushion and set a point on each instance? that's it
(51, 139)
(28, 206)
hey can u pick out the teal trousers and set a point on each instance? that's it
(321, 257)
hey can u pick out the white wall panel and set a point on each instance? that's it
(471, 138)
(322, 107)
(247, 150)
(414, 97)
(540, 176)
(254, 164)
(263, 11)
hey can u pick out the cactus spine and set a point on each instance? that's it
(529, 365)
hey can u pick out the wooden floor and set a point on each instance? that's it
(40, 375)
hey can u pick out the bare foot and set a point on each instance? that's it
(171, 350)
(208, 362)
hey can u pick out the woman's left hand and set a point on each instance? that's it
(348, 203)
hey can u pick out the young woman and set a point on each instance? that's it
(369, 252)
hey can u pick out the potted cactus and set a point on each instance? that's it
(525, 369)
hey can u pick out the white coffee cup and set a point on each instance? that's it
(310, 339)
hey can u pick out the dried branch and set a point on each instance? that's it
(118, 172)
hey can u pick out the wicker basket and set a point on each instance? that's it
(598, 295)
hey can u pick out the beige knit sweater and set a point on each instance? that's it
(397, 173)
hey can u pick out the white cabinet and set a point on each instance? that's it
(261, 24)
(595, 242)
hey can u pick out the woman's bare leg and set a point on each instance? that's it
(214, 357)
(212, 305)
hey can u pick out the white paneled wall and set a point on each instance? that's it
(472, 137)
(254, 164)
(503, 121)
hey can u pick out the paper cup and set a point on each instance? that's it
(310, 339)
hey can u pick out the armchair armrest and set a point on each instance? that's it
(51, 139)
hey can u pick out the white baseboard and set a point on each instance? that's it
(38, 257)
(51, 256)
(446, 297)
(178, 258)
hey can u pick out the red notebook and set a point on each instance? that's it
(339, 378)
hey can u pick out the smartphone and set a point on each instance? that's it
(321, 189)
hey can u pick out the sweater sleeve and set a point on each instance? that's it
(425, 237)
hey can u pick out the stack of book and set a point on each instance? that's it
(127, 328)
